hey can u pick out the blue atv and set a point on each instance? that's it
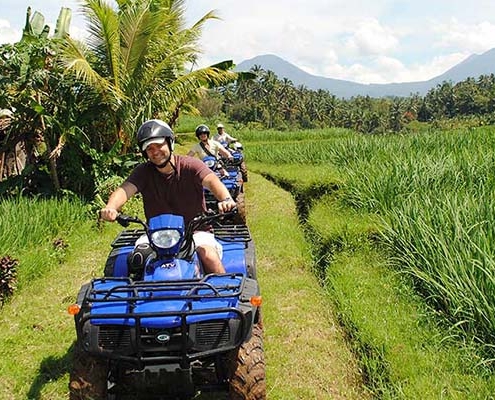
(231, 176)
(236, 149)
(156, 327)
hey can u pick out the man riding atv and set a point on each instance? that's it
(165, 181)
(234, 147)
(163, 328)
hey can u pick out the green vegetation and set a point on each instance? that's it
(306, 354)
(37, 345)
(305, 350)
(403, 348)
(271, 102)
(397, 229)
(78, 105)
(401, 233)
(73, 108)
(395, 245)
(34, 232)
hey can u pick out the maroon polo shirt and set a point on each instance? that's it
(179, 193)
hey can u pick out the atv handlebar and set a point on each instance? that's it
(202, 219)
(125, 220)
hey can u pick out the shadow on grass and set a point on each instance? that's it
(51, 369)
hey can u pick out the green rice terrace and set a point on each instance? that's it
(376, 265)
(402, 240)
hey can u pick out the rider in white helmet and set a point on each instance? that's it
(223, 137)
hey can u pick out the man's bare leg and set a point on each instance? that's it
(210, 260)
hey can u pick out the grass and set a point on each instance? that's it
(299, 175)
(385, 196)
(305, 351)
(306, 354)
(30, 229)
(435, 193)
(24, 225)
(402, 352)
(362, 200)
(37, 345)
(272, 137)
(402, 348)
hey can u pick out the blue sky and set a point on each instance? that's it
(369, 42)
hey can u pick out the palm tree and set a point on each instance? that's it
(135, 59)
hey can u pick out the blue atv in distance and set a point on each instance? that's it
(231, 176)
(156, 327)
(236, 149)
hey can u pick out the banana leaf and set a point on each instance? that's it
(63, 23)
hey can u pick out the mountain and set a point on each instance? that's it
(473, 66)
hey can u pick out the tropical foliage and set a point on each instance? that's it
(135, 60)
(73, 101)
(270, 102)
(434, 193)
(39, 94)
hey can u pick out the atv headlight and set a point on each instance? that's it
(165, 238)
(210, 163)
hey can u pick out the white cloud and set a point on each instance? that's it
(381, 70)
(380, 42)
(371, 38)
(385, 69)
(7, 33)
(377, 42)
(476, 38)
(437, 66)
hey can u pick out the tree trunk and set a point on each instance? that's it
(52, 158)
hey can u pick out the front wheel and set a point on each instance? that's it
(247, 376)
(88, 377)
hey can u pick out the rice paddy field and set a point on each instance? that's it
(397, 230)
(403, 231)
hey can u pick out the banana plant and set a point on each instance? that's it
(27, 89)
(35, 27)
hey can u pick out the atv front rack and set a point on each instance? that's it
(127, 237)
(146, 323)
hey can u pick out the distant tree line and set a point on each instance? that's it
(69, 110)
(273, 103)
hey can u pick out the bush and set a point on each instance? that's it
(8, 277)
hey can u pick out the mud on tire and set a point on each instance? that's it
(88, 377)
(244, 171)
(247, 369)
(240, 217)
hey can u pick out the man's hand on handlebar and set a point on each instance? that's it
(226, 205)
(108, 214)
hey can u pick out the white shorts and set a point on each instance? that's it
(202, 238)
